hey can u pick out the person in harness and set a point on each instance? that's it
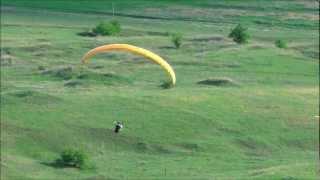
(118, 127)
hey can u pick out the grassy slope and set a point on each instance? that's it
(263, 128)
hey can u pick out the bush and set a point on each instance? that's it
(176, 39)
(41, 68)
(239, 34)
(166, 85)
(72, 158)
(281, 44)
(111, 28)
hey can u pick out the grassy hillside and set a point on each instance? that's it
(261, 126)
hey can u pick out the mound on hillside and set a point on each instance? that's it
(76, 77)
(39, 49)
(207, 39)
(126, 33)
(87, 33)
(166, 85)
(96, 66)
(42, 46)
(64, 73)
(32, 97)
(6, 58)
(106, 78)
(73, 83)
(218, 81)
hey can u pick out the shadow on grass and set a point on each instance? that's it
(73, 83)
(167, 47)
(59, 164)
(218, 81)
(207, 39)
(87, 34)
(166, 85)
(100, 177)
(64, 73)
(54, 164)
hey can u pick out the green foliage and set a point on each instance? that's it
(111, 28)
(239, 34)
(210, 124)
(72, 158)
(281, 44)
(41, 68)
(166, 85)
(176, 39)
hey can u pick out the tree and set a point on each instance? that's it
(239, 34)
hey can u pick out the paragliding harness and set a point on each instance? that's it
(118, 126)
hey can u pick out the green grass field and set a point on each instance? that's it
(261, 127)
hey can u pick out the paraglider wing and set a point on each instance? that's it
(134, 49)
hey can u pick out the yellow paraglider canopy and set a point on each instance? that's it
(134, 49)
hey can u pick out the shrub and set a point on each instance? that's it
(111, 28)
(281, 44)
(116, 25)
(41, 68)
(72, 158)
(176, 39)
(239, 34)
(166, 85)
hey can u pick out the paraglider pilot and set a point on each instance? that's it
(118, 126)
